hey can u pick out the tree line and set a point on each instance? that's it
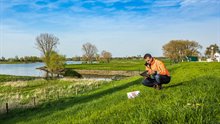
(179, 50)
(25, 59)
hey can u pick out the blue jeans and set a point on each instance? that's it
(157, 80)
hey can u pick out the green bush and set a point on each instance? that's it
(71, 73)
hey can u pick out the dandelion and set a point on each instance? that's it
(189, 104)
(198, 104)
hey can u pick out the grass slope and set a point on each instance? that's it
(193, 96)
(6, 78)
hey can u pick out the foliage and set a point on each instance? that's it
(178, 50)
(25, 59)
(56, 62)
(76, 58)
(212, 48)
(71, 73)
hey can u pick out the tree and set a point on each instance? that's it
(212, 49)
(106, 56)
(90, 51)
(177, 50)
(16, 59)
(3, 59)
(46, 43)
(97, 57)
(56, 63)
(76, 58)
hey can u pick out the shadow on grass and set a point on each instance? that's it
(61, 104)
(195, 81)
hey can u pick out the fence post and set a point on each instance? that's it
(34, 102)
(45, 94)
(83, 88)
(7, 108)
(58, 95)
(76, 90)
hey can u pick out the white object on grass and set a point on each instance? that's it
(133, 94)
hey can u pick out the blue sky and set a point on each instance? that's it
(122, 27)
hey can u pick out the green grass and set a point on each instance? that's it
(127, 65)
(22, 92)
(193, 96)
(133, 65)
(6, 78)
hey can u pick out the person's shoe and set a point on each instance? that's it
(155, 86)
(158, 86)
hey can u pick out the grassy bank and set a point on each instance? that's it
(6, 78)
(133, 65)
(125, 65)
(23, 94)
(191, 97)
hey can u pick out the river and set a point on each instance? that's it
(26, 69)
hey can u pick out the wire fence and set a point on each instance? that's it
(32, 98)
(36, 97)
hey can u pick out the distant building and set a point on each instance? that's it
(217, 56)
(192, 58)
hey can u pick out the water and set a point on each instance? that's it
(26, 69)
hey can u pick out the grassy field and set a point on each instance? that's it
(6, 78)
(126, 65)
(133, 65)
(20, 94)
(193, 96)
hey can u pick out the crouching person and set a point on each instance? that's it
(158, 74)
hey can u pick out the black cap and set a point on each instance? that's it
(147, 55)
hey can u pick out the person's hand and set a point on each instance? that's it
(150, 72)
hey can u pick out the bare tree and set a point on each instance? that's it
(90, 51)
(46, 43)
(106, 56)
(97, 57)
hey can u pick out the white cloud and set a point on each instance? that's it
(189, 2)
(115, 1)
(167, 3)
(197, 2)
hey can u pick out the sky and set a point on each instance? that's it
(122, 27)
